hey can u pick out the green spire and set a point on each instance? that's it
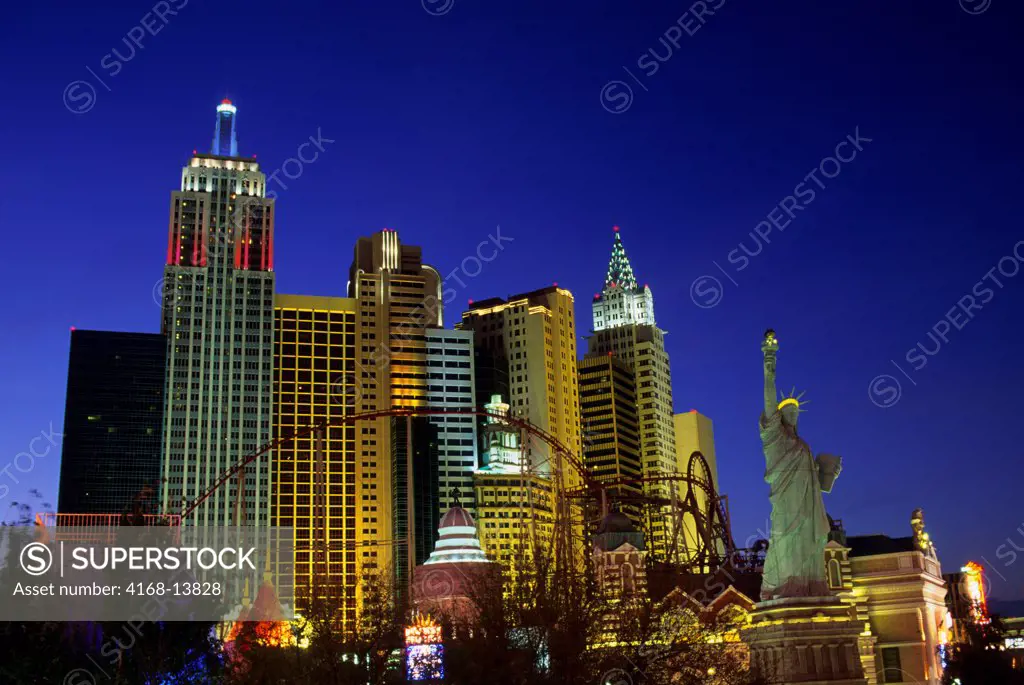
(620, 272)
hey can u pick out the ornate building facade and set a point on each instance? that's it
(515, 505)
(896, 587)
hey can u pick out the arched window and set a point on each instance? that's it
(835, 574)
(628, 586)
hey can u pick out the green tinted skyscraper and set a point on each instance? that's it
(218, 316)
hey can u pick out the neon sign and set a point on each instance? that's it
(424, 651)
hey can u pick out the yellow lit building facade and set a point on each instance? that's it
(314, 356)
(533, 336)
(896, 587)
(397, 299)
(695, 433)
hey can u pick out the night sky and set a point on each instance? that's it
(448, 120)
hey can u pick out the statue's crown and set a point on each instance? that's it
(793, 399)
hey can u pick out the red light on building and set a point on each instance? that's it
(72, 329)
(471, 300)
(225, 101)
(615, 228)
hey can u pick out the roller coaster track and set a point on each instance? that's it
(710, 519)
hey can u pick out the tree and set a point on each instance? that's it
(136, 652)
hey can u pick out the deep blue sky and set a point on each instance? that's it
(448, 126)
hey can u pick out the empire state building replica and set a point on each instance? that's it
(218, 317)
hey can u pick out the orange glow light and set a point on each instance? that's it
(423, 631)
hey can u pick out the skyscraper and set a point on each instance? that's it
(624, 325)
(415, 502)
(398, 298)
(218, 317)
(315, 340)
(534, 334)
(450, 384)
(611, 440)
(694, 433)
(112, 420)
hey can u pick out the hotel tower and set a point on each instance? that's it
(397, 298)
(218, 318)
(624, 327)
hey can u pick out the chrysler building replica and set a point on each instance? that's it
(624, 326)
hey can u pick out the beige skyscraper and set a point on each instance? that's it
(397, 297)
(694, 433)
(624, 326)
(533, 337)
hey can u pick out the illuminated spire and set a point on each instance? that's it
(622, 301)
(620, 272)
(225, 140)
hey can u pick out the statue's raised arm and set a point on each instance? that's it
(770, 348)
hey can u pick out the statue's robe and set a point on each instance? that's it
(795, 565)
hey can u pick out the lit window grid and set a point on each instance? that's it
(219, 327)
(296, 459)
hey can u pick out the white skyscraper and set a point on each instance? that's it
(451, 384)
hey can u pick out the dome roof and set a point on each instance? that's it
(457, 539)
(456, 517)
(616, 522)
(615, 530)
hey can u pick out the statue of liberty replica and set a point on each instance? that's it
(794, 566)
(800, 632)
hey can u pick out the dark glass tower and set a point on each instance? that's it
(112, 420)
(426, 515)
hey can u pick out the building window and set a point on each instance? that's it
(835, 574)
(891, 671)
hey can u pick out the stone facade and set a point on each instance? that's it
(806, 640)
